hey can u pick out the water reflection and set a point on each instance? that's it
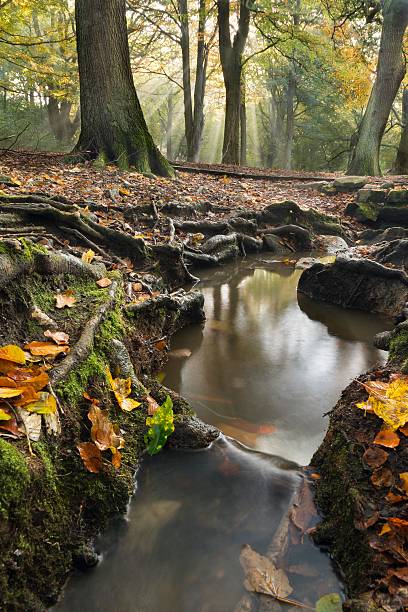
(179, 551)
(265, 368)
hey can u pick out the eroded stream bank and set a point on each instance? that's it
(263, 369)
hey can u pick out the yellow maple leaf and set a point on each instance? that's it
(389, 401)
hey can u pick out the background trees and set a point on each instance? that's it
(296, 84)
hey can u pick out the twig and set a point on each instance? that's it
(6, 150)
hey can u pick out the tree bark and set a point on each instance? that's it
(243, 124)
(113, 126)
(365, 158)
(62, 126)
(231, 61)
(401, 162)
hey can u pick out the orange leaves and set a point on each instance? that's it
(46, 349)
(104, 282)
(104, 436)
(387, 438)
(122, 388)
(66, 299)
(91, 456)
(404, 482)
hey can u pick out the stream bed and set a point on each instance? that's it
(264, 369)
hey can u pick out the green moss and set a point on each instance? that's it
(399, 346)
(14, 477)
(368, 211)
(72, 389)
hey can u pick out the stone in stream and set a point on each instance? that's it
(394, 252)
(274, 245)
(191, 433)
(357, 283)
(372, 236)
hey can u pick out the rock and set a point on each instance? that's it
(299, 237)
(387, 185)
(392, 216)
(290, 213)
(85, 558)
(394, 252)
(274, 245)
(357, 283)
(305, 262)
(398, 196)
(371, 236)
(363, 212)
(333, 244)
(382, 340)
(191, 433)
(317, 185)
(372, 195)
(347, 184)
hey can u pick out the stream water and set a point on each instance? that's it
(264, 369)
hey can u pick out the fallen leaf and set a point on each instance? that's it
(160, 345)
(4, 415)
(5, 381)
(10, 427)
(46, 349)
(382, 477)
(103, 432)
(262, 576)
(404, 479)
(31, 424)
(104, 282)
(13, 353)
(384, 529)
(7, 393)
(392, 498)
(389, 401)
(303, 509)
(46, 404)
(387, 438)
(58, 337)
(88, 256)
(34, 377)
(27, 396)
(124, 192)
(65, 299)
(401, 573)
(91, 399)
(375, 457)
(122, 388)
(404, 429)
(116, 459)
(52, 423)
(137, 287)
(153, 406)
(91, 456)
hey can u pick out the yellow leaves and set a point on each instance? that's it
(122, 388)
(4, 416)
(6, 393)
(65, 299)
(46, 404)
(88, 256)
(13, 353)
(389, 401)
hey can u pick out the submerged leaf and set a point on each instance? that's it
(329, 603)
(375, 457)
(262, 576)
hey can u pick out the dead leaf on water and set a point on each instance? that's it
(262, 576)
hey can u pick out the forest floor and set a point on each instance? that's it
(148, 233)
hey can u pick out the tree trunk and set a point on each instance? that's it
(169, 126)
(60, 121)
(401, 162)
(365, 158)
(185, 54)
(231, 62)
(113, 126)
(243, 124)
(200, 82)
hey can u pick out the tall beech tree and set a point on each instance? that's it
(365, 157)
(401, 162)
(113, 128)
(231, 50)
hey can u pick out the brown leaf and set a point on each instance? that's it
(182, 353)
(65, 299)
(401, 573)
(160, 345)
(58, 337)
(137, 287)
(404, 429)
(91, 456)
(10, 427)
(94, 401)
(374, 457)
(102, 431)
(262, 576)
(382, 477)
(304, 508)
(34, 377)
(28, 396)
(153, 406)
(104, 282)
(387, 438)
(116, 459)
(392, 498)
(5, 381)
(46, 349)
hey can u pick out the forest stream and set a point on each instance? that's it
(264, 369)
